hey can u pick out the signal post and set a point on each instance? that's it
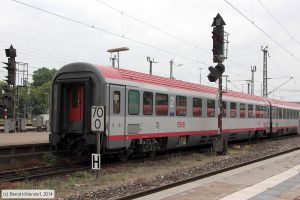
(97, 126)
(219, 41)
(11, 78)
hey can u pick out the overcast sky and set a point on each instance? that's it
(44, 40)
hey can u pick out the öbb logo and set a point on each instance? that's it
(180, 124)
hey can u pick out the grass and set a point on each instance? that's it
(49, 159)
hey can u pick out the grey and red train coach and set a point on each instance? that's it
(147, 113)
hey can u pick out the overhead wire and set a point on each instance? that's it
(162, 31)
(263, 31)
(280, 24)
(39, 51)
(234, 86)
(108, 32)
(150, 25)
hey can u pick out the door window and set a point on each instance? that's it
(116, 102)
(133, 102)
(74, 97)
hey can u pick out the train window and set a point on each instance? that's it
(116, 102)
(133, 102)
(261, 111)
(210, 108)
(280, 113)
(284, 113)
(224, 108)
(288, 114)
(250, 111)
(232, 109)
(74, 97)
(242, 110)
(274, 112)
(180, 106)
(148, 103)
(266, 111)
(295, 114)
(161, 106)
(197, 107)
(257, 111)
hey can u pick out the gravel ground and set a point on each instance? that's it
(257, 150)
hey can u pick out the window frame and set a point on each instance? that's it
(74, 93)
(177, 109)
(214, 108)
(151, 105)
(243, 116)
(139, 102)
(251, 112)
(233, 111)
(157, 94)
(116, 91)
(200, 106)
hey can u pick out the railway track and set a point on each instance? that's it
(37, 172)
(195, 178)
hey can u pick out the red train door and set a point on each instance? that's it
(76, 107)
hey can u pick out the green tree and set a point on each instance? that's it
(39, 98)
(42, 76)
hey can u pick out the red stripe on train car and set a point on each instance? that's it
(167, 134)
(170, 134)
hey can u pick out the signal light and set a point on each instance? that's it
(215, 72)
(11, 65)
(218, 39)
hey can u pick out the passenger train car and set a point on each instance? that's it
(147, 113)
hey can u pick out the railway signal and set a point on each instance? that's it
(215, 72)
(11, 75)
(220, 144)
(11, 65)
(218, 39)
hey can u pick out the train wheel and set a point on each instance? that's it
(255, 137)
(123, 156)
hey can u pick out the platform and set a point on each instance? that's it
(276, 178)
(11, 139)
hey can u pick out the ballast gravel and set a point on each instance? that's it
(261, 149)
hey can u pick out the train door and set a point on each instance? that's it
(117, 119)
(75, 105)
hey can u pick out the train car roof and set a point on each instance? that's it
(276, 102)
(124, 74)
(132, 76)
